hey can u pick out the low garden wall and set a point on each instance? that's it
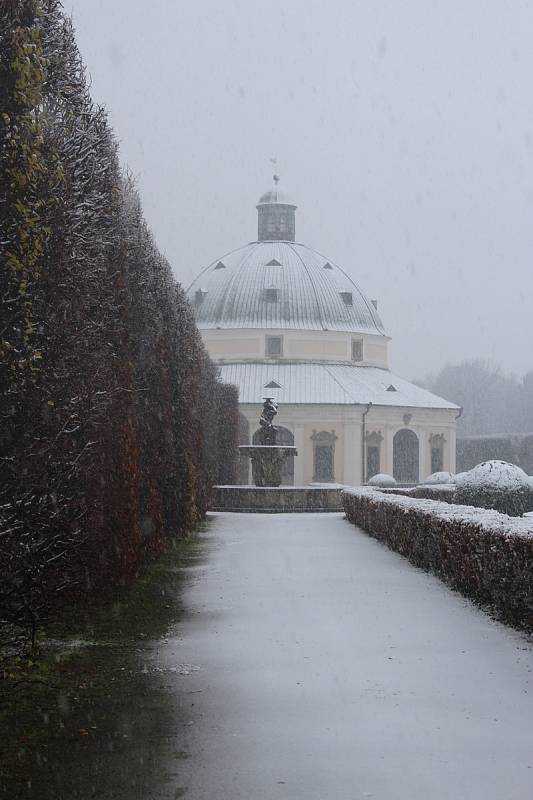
(486, 555)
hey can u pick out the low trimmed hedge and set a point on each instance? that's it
(443, 492)
(485, 555)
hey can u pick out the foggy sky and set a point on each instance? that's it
(404, 130)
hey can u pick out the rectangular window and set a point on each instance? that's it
(347, 298)
(357, 349)
(274, 345)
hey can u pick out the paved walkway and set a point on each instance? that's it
(331, 669)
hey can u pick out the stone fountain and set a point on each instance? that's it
(268, 495)
(268, 457)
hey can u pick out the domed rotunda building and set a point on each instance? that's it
(283, 321)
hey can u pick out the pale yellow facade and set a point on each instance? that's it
(250, 344)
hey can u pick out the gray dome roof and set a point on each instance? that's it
(273, 284)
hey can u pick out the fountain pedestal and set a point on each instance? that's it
(267, 462)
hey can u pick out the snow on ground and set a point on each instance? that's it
(332, 669)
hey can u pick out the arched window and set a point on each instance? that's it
(405, 456)
(373, 454)
(243, 467)
(283, 436)
(323, 456)
(436, 444)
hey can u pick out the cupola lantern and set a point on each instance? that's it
(276, 216)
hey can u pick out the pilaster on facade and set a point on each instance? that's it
(352, 466)
(299, 461)
(424, 468)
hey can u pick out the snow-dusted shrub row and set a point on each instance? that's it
(486, 555)
(110, 407)
(443, 492)
(493, 485)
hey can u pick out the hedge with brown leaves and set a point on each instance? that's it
(485, 555)
(109, 405)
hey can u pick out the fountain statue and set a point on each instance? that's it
(267, 435)
(268, 457)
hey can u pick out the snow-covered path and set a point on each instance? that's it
(331, 669)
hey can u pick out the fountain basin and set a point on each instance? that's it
(277, 499)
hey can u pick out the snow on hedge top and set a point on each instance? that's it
(382, 479)
(494, 475)
(439, 477)
(487, 519)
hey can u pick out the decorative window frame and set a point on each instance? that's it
(320, 439)
(437, 441)
(372, 439)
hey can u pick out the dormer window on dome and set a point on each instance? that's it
(220, 265)
(199, 296)
(270, 295)
(273, 263)
(347, 298)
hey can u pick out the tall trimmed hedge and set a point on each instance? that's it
(109, 405)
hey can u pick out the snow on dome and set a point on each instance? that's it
(438, 478)
(499, 475)
(382, 480)
(276, 196)
(309, 297)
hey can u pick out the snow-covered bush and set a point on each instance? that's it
(439, 477)
(498, 485)
(382, 480)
